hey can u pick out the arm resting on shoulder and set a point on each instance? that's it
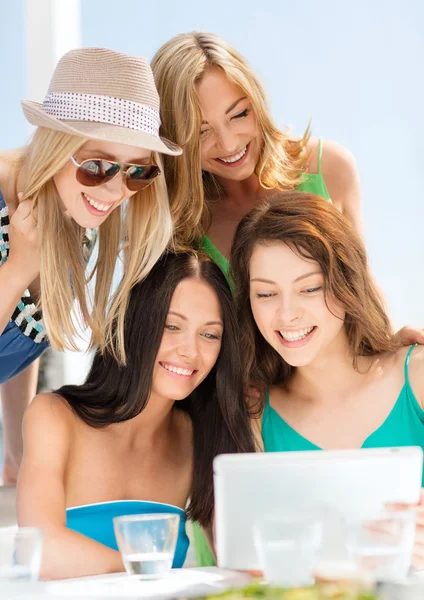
(342, 180)
(41, 494)
(16, 394)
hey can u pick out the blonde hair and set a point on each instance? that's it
(143, 229)
(177, 66)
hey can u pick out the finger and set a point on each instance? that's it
(418, 557)
(399, 507)
(24, 209)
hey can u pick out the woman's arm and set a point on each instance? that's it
(23, 263)
(41, 494)
(342, 180)
(16, 394)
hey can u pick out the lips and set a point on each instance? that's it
(296, 339)
(236, 159)
(95, 207)
(185, 372)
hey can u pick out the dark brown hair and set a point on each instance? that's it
(314, 229)
(114, 393)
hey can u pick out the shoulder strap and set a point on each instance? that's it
(406, 364)
(266, 397)
(320, 154)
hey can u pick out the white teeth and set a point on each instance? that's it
(177, 370)
(235, 157)
(294, 336)
(102, 207)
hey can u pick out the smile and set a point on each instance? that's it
(234, 159)
(295, 336)
(177, 370)
(97, 205)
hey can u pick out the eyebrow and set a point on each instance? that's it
(234, 104)
(171, 312)
(297, 279)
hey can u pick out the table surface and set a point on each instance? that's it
(181, 583)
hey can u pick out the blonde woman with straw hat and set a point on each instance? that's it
(96, 146)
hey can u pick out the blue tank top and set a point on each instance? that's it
(24, 338)
(95, 522)
(404, 426)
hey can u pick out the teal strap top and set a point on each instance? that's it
(96, 522)
(404, 426)
(311, 182)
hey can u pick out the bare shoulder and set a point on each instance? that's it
(50, 413)
(338, 168)
(416, 373)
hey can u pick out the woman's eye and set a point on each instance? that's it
(171, 327)
(267, 295)
(313, 289)
(203, 132)
(211, 336)
(242, 114)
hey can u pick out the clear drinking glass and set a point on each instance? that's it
(147, 543)
(288, 547)
(20, 554)
(382, 545)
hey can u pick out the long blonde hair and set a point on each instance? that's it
(177, 66)
(143, 230)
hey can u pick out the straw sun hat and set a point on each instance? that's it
(104, 95)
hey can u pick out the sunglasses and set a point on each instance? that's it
(97, 171)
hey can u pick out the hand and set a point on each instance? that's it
(410, 335)
(418, 555)
(24, 251)
(10, 473)
(418, 552)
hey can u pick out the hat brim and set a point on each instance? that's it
(34, 113)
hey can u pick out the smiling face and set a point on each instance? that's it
(89, 206)
(230, 138)
(288, 305)
(191, 341)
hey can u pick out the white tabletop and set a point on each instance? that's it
(188, 583)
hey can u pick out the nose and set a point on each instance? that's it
(289, 311)
(227, 140)
(116, 187)
(188, 347)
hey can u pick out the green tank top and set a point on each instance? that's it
(311, 182)
(404, 426)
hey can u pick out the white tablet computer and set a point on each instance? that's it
(353, 482)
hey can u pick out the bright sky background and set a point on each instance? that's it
(355, 68)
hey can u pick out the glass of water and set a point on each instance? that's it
(382, 545)
(20, 554)
(288, 547)
(147, 543)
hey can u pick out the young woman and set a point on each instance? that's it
(316, 340)
(96, 145)
(145, 432)
(234, 156)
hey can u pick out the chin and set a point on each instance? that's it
(89, 222)
(297, 357)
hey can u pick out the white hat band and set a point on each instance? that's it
(68, 106)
